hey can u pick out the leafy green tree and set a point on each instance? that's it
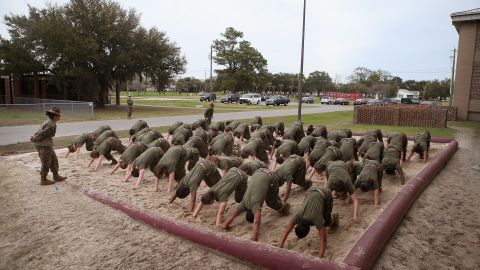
(88, 45)
(318, 81)
(243, 64)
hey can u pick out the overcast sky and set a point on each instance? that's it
(413, 39)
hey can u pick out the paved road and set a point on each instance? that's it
(10, 135)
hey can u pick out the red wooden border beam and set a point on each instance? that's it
(368, 247)
(254, 252)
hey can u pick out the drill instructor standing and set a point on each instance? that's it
(44, 144)
(130, 106)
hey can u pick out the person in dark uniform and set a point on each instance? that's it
(257, 120)
(332, 153)
(250, 166)
(398, 139)
(43, 140)
(198, 142)
(173, 164)
(317, 131)
(287, 147)
(205, 170)
(139, 135)
(160, 142)
(173, 127)
(316, 210)
(318, 150)
(181, 135)
(306, 145)
(242, 132)
(78, 142)
(375, 151)
(126, 160)
(105, 149)
(392, 162)
(147, 159)
(421, 146)
(292, 171)
(255, 148)
(370, 174)
(221, 144)
(339, 180)
(130, 106)
(200, 123)
(99, 131)
(208, 115)
(263, 187)
(364, 142)
(104, 136)
(225, 163)
(139, 125)
(295, 132)
(348, 147)
(234, 181)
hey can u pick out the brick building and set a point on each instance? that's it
(466, 94)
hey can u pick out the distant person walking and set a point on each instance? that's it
(130, 106)
(44, 144)
(209, 113)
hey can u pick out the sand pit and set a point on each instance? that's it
(339, 243)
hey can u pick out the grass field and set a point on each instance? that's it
(334, 121)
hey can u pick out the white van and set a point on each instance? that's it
(251, 99)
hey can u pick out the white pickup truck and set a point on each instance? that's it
(327, 100)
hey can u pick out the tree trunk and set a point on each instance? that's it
(117, 93)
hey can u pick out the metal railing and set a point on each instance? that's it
(75, 110)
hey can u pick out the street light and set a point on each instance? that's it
(300, 81)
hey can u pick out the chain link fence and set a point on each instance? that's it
(25, 106)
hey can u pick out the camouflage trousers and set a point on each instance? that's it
(48, 158)
(130, 109)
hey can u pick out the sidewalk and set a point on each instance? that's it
(16, 134)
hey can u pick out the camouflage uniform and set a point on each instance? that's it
(130, 107)
(208, 114)
(44, 144)
(100, 130)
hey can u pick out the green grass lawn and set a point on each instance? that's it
(337, 120)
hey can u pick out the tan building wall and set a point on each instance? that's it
(466, 94)
(463, 75)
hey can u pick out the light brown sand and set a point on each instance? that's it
(339, 243)
(45, 228)
(442, 229)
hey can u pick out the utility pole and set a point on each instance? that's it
(211, 61)
(452, 78)
(300, 81)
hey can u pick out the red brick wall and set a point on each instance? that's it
(417, 116)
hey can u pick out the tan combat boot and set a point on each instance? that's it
(58, 178)
(44, 181)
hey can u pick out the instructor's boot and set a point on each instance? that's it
(58, 178)
(44, 181)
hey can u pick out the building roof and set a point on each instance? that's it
(465, 16)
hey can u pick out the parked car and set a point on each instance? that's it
(374, 102)
(388, 101)
(263, 97)
(360, 101)
(308, 100)
(251, 99)
(341, 101)
(410, 101)
(208, 97)
(277, 100)
(230, 98)
(326, 100)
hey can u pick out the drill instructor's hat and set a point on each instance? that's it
(54, 110)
